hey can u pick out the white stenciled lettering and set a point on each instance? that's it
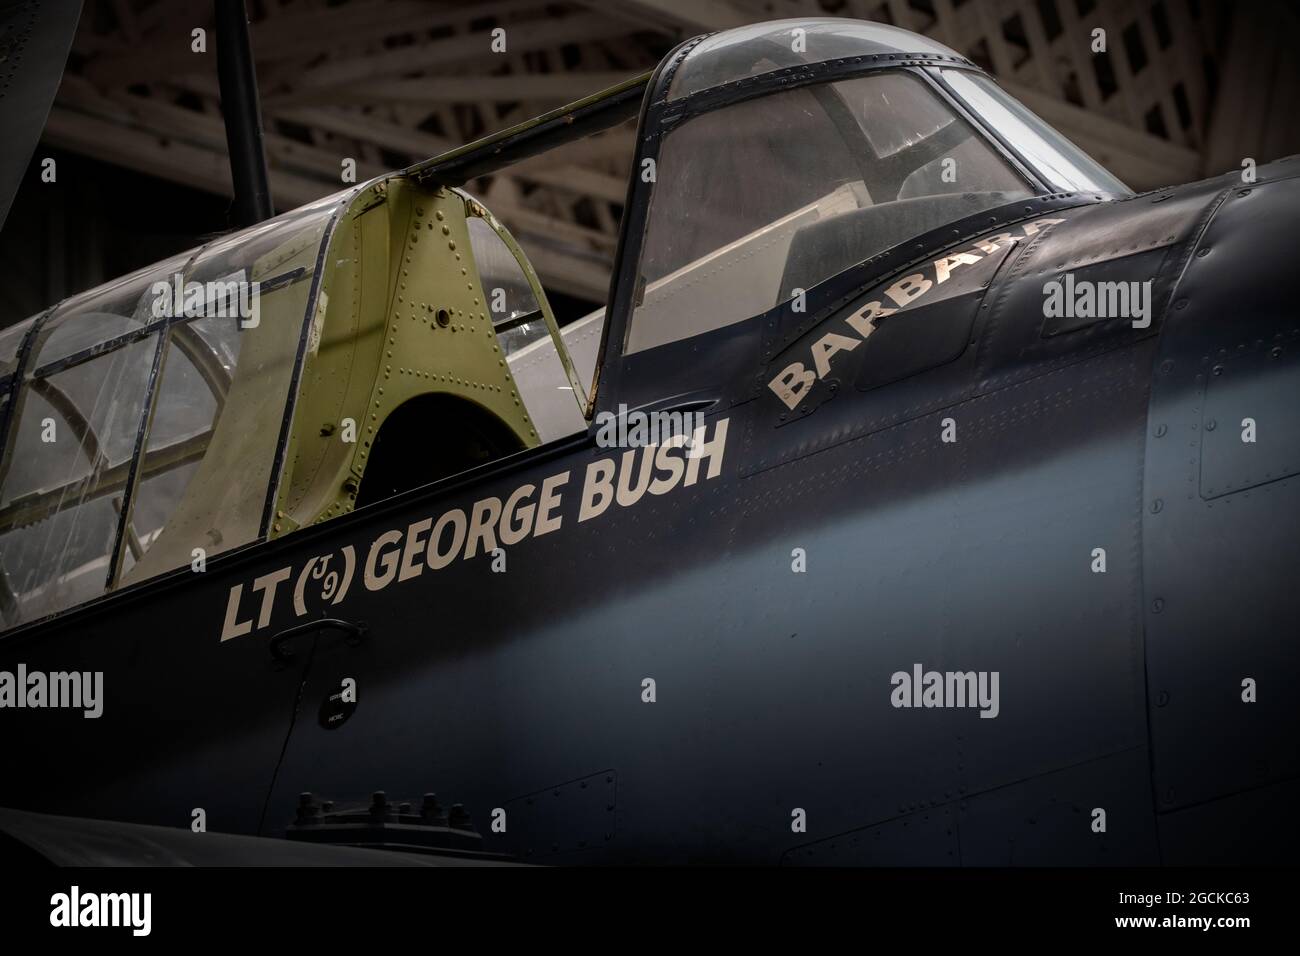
(411, 550)
(792, 384)
(488, 525)
(828, 345)
(709, 450)
(796, 380)
(381, 563)
(483, 518)
(597, 489)
(547, 502)
(515, 508)
(455, 520)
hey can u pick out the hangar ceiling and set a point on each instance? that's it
(1183, 90)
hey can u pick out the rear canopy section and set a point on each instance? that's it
(353, 349)
(118, 400)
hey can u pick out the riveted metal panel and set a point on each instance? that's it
(565, 819)
(1219, 570)
(1250, 429)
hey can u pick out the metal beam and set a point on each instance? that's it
(146, 149)
(243, 114)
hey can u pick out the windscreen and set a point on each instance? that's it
(754, 202)
(1054, 157)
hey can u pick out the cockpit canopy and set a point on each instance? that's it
(240, 390)
(123, 387)
(780, 53)
(792, 150)
(789, 45)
